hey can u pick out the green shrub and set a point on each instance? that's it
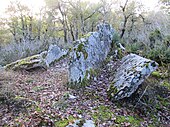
(167, 40)
(155, 36)
(160, 55)
(135, 47)
(158, 50)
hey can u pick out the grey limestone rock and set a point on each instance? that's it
(43, 59)
(28, 63)
(1, 67)
(54, 53)
(133, 70)
(90, 52)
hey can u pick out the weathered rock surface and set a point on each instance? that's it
(90, 52)
(54, 53)
(132, 72)
(43, 59)
(29, 62)
(1, 67)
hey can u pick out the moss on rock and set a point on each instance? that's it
(103, 113)
(86, 35)
(27, 63)
(81, 48)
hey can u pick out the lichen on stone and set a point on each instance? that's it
(27, 63)
(130, 75)
(87, 35)
(90, 52)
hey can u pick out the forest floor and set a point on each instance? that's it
(42, 98)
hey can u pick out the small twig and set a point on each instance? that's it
(145, 104)
(167, 97)
(140, 97)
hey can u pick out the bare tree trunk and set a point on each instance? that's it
(124, 27)
(125, 19)
(63, 22)
(30, 27)
(39, 30)
(92, 26)
(72, 32)
(23, 25)
(77, 31)
(14, 34)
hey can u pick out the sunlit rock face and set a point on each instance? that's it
(28, 63)
(89, 52)
(54, 53)
(133, 70)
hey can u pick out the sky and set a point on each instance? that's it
(32, 4)
(150, 3)
(37, 4)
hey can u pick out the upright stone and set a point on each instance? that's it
(89, 52)
(54, 53)
(133, 70)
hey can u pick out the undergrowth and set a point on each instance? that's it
(152, 99)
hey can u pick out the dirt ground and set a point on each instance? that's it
(41, 98)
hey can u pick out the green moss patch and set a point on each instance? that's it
(134, 122)
(112, 90)
(89, 76)
(38, 88)
(156, 74)
(86, 35)
(102, 113)
(64, 122)
(81, 48)
(166, 84)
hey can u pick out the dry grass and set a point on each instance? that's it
(14, 51)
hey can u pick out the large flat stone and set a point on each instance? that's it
(28, 63)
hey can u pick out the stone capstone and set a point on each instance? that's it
(133, 70)
(90, 52)
(28, 63)
(43, 59)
